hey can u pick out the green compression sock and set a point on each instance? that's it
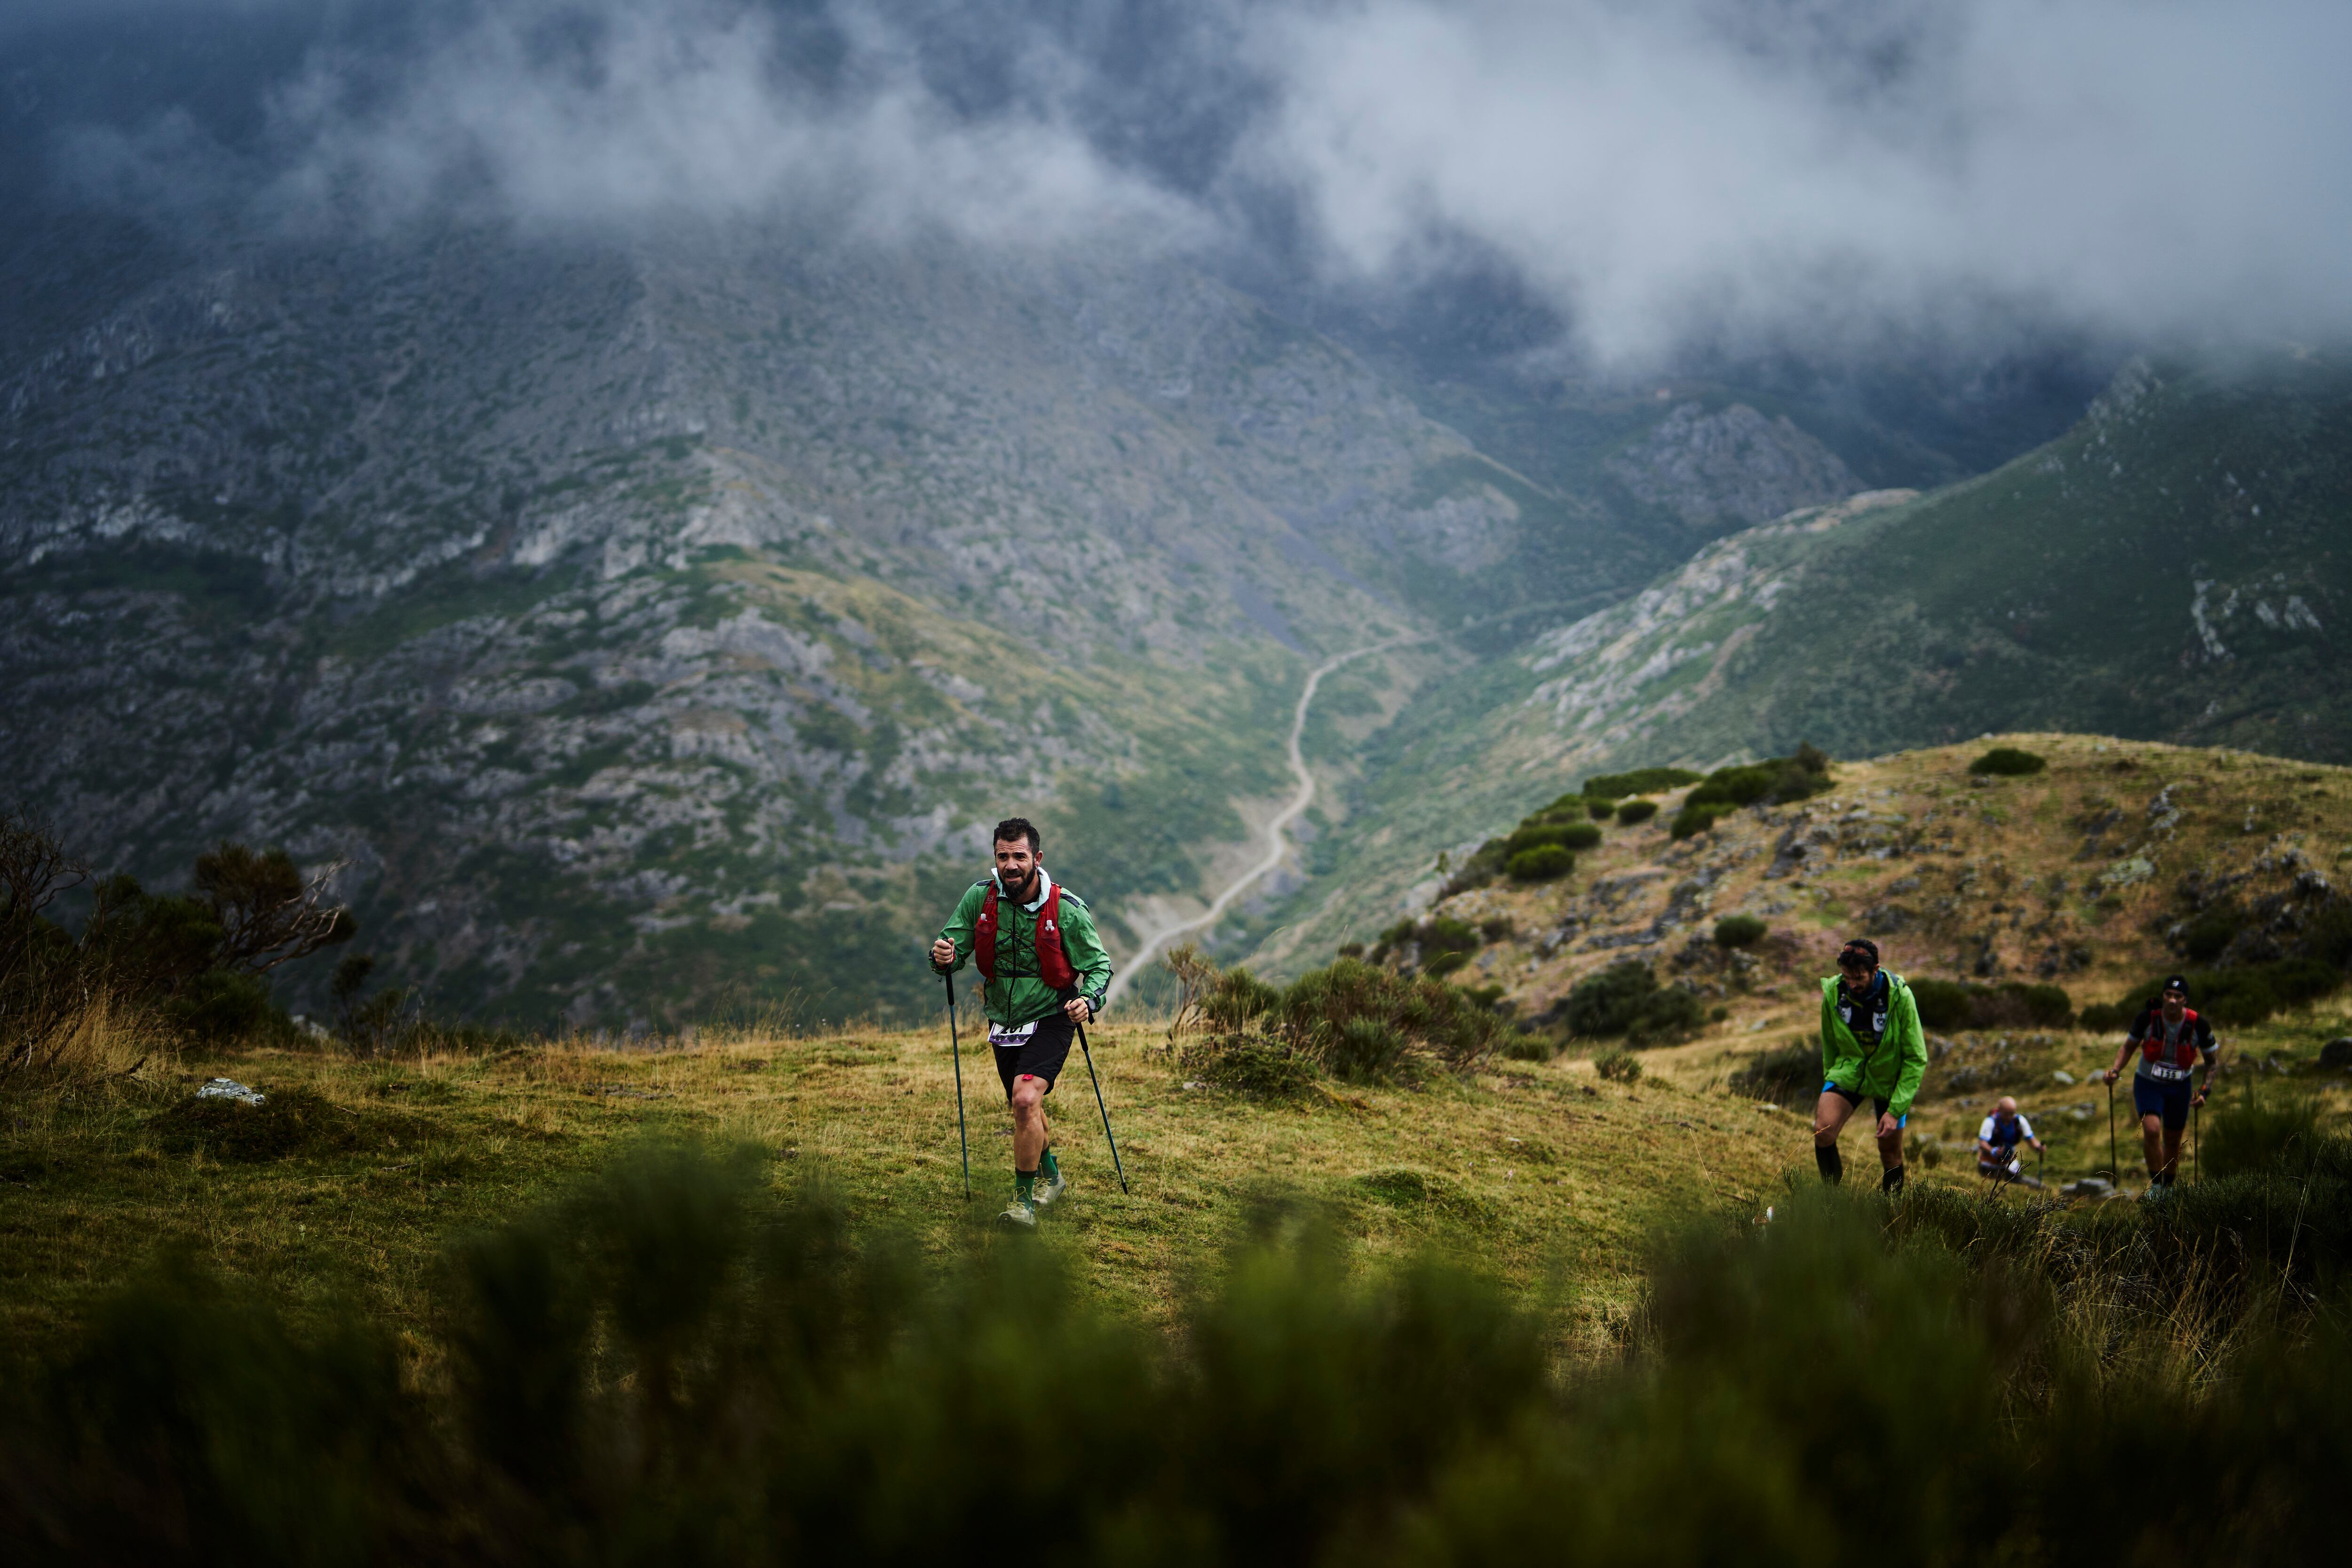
(1049, 1167)
(1023, 1181)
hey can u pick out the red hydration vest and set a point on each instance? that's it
(1053, 967)
(2176, 1060)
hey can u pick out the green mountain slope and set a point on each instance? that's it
(2177, 567)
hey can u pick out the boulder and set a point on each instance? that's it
(2090, 1187)
(2337, 1053)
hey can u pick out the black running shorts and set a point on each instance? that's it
(1041, 1055)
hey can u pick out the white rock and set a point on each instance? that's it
(229, 1089)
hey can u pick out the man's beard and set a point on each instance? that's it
(1021, 887)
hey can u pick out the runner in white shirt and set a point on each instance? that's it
(1998, 1139)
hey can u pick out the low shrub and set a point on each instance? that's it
(1527, 1045)
(1618, 1065)
(1600, 810)
(2246, 993)
(1775, 780)
(287, 1124)
(1237, 998)
(1258, 1065)
(1626, 999)
(2247, 1134)
(1636, 811)
(1640, 781)
(1545, 863)
(679, 1362)
(1790, 1074)
(1958, 1004)
(219, 1006)
(1692, 820)
(1439, 966)
(1429, 1016)
(1367, 1050)
(2203, 936)
(1740, 931)
(1567, 834)
(2008, 761)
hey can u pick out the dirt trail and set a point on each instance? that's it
(1276, 845)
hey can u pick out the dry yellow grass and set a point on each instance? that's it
(1549, 1176)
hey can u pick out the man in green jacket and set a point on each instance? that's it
(1872, 1046)
(1045, 971)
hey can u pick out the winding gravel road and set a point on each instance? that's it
(1277, 846)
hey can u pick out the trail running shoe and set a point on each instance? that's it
(1019, 1212)
(1043, 1194)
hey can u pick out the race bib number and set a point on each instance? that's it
(2166, 1072)
(1008, 1037)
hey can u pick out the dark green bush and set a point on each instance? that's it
(1692, 820)
(1429, 1016)
(1958, 1004)
(2008, 761)
(1566, 835)
(219, 1006)
(675, 1366)
(1640, 781)
(1600, 810)
(2204, 935)
(1545, 863)
(2251, 1134)
(1618, 1065)
(1942, 1004)
(2247, 993)
(1740, 931)
(1636, 811)
(1237, 998)
(1256, 1065)
(1368, 1050)
(1438, 965)
(1626, 999)
(1447, 934)
(1790, 1074)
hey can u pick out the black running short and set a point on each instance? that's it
(1040, 1054)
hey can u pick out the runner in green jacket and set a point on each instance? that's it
(1046, 972)
(1872, 1046)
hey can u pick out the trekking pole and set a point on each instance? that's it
(2196, 1142)
(1105, 1108)
(2115, 1165)
(955, 1050)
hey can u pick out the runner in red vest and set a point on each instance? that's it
(2169, 1038)
(1046, 971)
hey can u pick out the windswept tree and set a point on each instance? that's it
(268, 912)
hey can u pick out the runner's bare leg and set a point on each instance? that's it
(1028, 1122)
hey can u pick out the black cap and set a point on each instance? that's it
(2176, 982)
(1860, 948)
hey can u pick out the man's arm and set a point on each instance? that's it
(2210, 1048)
(1084, 944)
(2131, 1042)
(2025, 1125)
(956, 933)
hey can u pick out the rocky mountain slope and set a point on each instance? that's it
(2173, 568)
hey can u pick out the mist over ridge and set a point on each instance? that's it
(1814, 174)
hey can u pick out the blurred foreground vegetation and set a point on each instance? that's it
(671, 1365)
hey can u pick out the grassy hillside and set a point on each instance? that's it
(2087, 874)
(2173, 569)
(1535, 1167)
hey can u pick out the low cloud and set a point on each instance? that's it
(1755, 173)
(592, 111)
(1815, 171)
